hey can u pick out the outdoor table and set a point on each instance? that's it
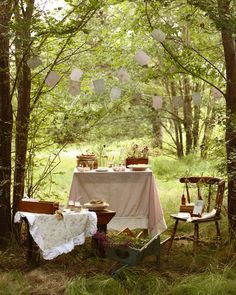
(131, 194)
(56, 236)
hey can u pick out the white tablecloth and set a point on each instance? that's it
(54, 236)
(132, 194)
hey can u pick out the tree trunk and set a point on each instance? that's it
(188, 117)
(157, 130)
(177, 126)
(230, 137)
(23, 39)
(5, 123)
(208, 125)
(196, 121)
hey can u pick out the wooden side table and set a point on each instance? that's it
(104, 216)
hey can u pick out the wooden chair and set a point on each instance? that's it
(211, 191)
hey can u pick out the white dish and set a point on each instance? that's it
(101, 169)
(138, 167)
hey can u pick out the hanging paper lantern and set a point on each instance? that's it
(177, 101)
(196, 96)
(34, 62)
(76, 75)
(158, 35)
(74, 88)
(157, 102)
(123, 75)
(99, 86)
(216, 93)
(52, 79)
(115, 93)
(142, 58)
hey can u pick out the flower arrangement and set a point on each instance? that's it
(137, 155)
(138, 151)
(118, 240)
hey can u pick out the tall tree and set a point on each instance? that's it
(188, 120)
(227, 20)
(23, 16)
(5, 121)
(222, 13)
(28, 32)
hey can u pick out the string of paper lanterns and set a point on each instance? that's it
(123, 76)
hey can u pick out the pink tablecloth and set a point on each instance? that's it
(132, 194)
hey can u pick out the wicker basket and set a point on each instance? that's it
(87, 161)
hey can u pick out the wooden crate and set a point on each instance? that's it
(45, 207)
(134, 161)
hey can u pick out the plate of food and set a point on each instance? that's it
(118, 168)
(138, 167)
(96, 205)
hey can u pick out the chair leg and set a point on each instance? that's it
(195, 237)
(218, 232)
(170, 242)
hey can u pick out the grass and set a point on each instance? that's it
(13, 283)
(81, 272)
(211, 271)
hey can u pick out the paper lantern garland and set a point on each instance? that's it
(74, 88)
(34, 62)
(123, 75)
(52, 79)
(177, 101)
(115, 93)
(196, 96)
(158, 35)
(142, 58)
(76, 75)
(157, 102)
(216, 93)
(99, 86)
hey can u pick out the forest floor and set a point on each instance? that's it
(57, 276)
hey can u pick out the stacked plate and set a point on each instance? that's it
(96, 205)
(101, 169)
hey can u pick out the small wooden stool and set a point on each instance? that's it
(104, 216)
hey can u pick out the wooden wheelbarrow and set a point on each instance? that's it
(129, 256)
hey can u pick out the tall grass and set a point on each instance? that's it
(130, 283)
(96, 285)
(168, 168)
(210, 282)
(13, 283)
(207, 283)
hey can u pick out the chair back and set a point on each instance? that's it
(209, 189)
